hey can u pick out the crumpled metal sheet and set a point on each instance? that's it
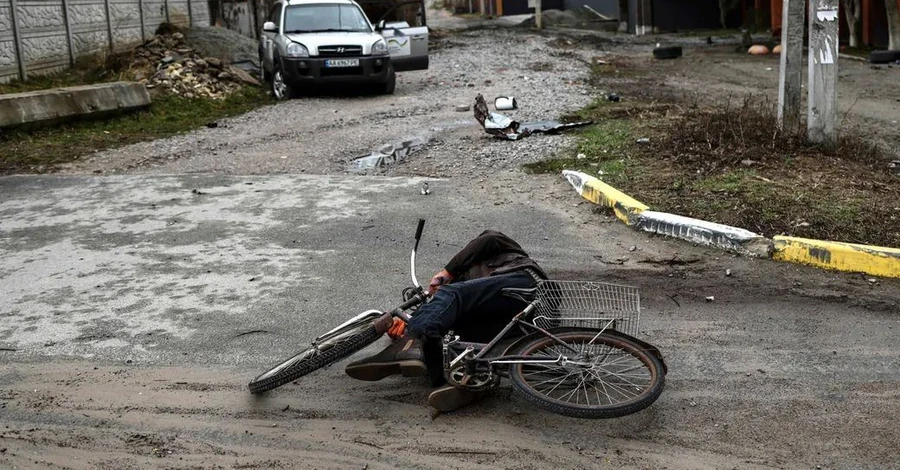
(386, 155)
(504, 127)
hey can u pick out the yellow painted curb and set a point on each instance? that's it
(598, 192)
(874, 260)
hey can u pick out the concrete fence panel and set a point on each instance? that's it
(39, 37)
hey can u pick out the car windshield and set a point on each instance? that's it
(324, 17)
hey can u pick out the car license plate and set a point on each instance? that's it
(342, 63)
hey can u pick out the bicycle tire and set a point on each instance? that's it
(545, 399)
(297, 366)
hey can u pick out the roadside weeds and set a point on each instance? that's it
(39, 151)
(727, 162)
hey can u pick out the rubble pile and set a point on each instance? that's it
(167, 63)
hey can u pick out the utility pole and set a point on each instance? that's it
(791, 75)
(823, 72)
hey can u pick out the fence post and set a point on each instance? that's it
(17, 39)
(141, 16)
(791, 74)
(109, 25)
(65, 7)
(823, 71)
(190, 15)
(167, 11)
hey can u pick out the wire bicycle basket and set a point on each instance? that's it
(588, 304)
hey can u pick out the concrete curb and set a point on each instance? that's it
(706, 233)
(58, 104)
(627, 209)
(874, 260)
(849, 257)
(637, 215)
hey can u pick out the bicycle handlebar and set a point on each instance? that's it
(419, 230)
(412, 256)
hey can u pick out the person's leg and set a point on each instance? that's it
(478, 302)
(463, 302)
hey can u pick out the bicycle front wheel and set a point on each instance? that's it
(316, 357)
(600, 376)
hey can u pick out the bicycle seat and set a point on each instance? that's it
(525, 295)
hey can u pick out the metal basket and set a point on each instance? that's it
(588, 304)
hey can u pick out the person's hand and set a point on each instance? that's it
(439, 279)
(397, 329)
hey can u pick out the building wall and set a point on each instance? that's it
(49, 32)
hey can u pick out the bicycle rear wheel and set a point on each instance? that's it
(605, 376)
(316, 357)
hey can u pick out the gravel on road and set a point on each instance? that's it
(322, 134)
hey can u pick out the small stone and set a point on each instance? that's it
(632, 248)
(728, 272)
(748, 162)
(129, 361)
(872, 280)
(643, 140)
(462, 108)
(711, 298)
(580, 156)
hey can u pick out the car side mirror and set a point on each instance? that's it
(270, 27)
(379, 26)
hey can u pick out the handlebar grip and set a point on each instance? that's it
(419, 229)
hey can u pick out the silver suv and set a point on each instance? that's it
(312, 42)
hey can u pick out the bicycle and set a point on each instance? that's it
(573, 350)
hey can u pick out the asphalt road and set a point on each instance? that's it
(133, 310)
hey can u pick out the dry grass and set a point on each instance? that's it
(729, 163)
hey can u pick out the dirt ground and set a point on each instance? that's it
(765, 377)
(868, 95)
(786, 367)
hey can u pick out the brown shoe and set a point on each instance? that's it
(403, 356)
(450, 398)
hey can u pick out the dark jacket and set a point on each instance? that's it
(489, 254)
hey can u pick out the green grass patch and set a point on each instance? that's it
(39, 150)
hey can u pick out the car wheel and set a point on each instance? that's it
(388, 87)
(280, 88)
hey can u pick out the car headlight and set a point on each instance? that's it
(379, 48)
(297, 50)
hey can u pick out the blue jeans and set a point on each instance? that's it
(475, 310)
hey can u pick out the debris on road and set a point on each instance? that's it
(503, 127)
(643, 140)
(386, 155)
(613, 97)
(425, 190)
(462, 108)
(167, 63)
(667, 52)
(505, 103)
(710, 298)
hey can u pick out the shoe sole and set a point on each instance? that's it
(373, 372)
(446, 400)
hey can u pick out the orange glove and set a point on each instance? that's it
(396, 330)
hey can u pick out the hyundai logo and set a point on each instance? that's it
(340, 50)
